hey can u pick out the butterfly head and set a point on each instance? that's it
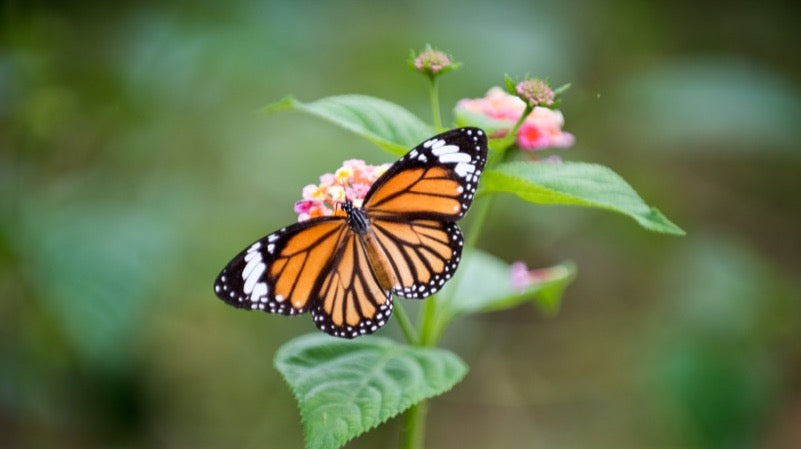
(357, 219)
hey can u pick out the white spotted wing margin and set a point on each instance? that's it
(245, 282)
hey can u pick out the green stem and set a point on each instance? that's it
(409, 332)
(415, 426)
(415, 418)
(431, 323)
(509, 140)
(435, 328)
(481, 213)
(513, 133)
(434, 93)
(428, 320)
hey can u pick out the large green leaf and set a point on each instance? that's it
(386, 124)
(346, 387)
(575, 183)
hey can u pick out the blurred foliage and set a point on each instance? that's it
(132, 161)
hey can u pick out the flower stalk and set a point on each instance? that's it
(435, 114)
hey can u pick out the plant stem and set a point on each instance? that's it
(415, 426)
(431, 325)
(434, 93)
(431, 331)
(509, 140)
(427, 321)
(406, 324)
(481, 213)
(513, 133)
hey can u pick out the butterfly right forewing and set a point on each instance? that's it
(437, 179)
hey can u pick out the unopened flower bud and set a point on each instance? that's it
(535, 92)
(432, 62)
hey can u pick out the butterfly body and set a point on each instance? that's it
(403, 240)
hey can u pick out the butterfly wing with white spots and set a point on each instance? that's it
(404, 240)
(437, 179)
(414, 205)
(278, 273)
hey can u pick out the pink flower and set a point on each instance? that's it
(522, 278)
(351, 182)
(518, 272)
(496, 104)
(542, 128)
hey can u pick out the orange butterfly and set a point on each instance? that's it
(344, 269)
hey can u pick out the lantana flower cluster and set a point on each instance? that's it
(541, 129)
(351, 182)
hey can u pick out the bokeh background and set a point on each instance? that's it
(133, 165)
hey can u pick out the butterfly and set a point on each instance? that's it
(344, 268)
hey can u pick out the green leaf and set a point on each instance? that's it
(386, 124)
(575, 183)
(510, 84)
(346, 387)
(484, 284)
(561, 89)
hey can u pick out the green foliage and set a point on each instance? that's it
(98, 291)
(575, 183)
(346, 387)
(386, 124)
(510, 84)
(486, 285)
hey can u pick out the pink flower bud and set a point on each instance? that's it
(522, 277)
(432, 62)
(535, 92)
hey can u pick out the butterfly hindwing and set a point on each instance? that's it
(349, 300)
(278, 273)
(437, 179)
(423, 254)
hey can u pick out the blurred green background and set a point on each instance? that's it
(133, 166)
